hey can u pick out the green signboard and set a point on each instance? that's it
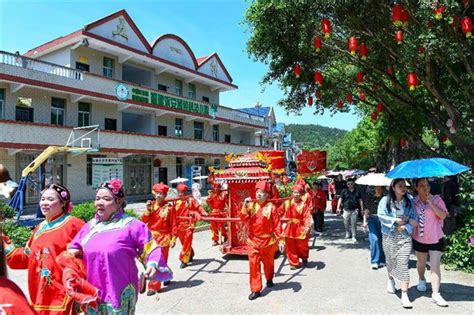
(173, 102)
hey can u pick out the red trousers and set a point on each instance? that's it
(266, 256)
(156, 285)
(296, 249)
(186, 239)
(334, 204)
(216, 227)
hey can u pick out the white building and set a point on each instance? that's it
(157, 106)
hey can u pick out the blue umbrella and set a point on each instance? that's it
(434, 167)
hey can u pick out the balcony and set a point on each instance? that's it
(80, 85)
(17, 136)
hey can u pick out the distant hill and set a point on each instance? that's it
(314, 136)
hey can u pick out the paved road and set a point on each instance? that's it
(337, 280)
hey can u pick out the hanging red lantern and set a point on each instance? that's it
(310, 101)
(352, 44)
(438, 12)
(390, 71)
(466, 26)
(421, 50)
(326, 27)
(297, 70)
(317, 43)
(374, 116)
(399, 37)
(349, 98)
(361, 95)
(318, 78)
(380, 107)
(412, 81)
(403, 143)
(363, 51)
(318, 95)
(360, 77)
(339, 104)
(397, 14)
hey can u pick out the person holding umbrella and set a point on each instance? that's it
(429, 237)
(398, 218)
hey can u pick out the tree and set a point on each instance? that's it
(436, 51)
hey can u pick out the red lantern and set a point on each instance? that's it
(363, 51)
(361, 95)
(349, 98)
(310, 101)
(374, 116)
(352, 44)
(318, 94)
(297, 70)
(412, 81)
(339, 104)
(380, 107)
(403, 143)
(326, 27)
(397, 14)
(466, 26)
(318, 78)
(390, 71)
(405, 17)
(439, 12)
(399, 37)
(360, 77)
(317, 43)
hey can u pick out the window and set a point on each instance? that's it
(84, 114)
(205, 99)
(24, 109)
(217, 164)
(215, 132)
(198, 130)
(178, 127)
(162, 131)
(179, 167)
(178, 87)
(2, 103)
(162, 87)
(110, 124)
(108, 69)
(227, 138)
(191, 90)
(199, 161)
(89, 167)
(82, 66)
(58, 108)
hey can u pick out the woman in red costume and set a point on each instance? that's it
(217, 201)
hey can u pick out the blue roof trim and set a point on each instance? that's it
(257, 111)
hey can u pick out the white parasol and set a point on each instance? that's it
(374, 179)
(178, 180)
(200, 177)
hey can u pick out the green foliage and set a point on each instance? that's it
(460, 253)
(439, 54)
(84, 211)
(314, 136)
(19, 235)
(6, 212)
(132, 213)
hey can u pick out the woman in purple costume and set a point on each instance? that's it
(109, 244)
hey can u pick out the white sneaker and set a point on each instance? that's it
(406, 301)
(374, 266)
(438, 300)
(354, 239)
(391, 286)
(348, 235)
(421, 286)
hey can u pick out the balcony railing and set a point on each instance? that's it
(42, 66)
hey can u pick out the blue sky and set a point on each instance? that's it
(207, 26)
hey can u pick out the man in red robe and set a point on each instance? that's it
(298, 213)
(217, 201)
(264, 233)
(188, 213)
(160, 218)
(319, 199)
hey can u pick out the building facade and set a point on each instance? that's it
(156, 104)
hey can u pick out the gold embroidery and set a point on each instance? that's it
(164, 212)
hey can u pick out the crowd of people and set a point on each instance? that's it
(94, 264)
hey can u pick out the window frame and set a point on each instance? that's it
(192, 90)
(178, 132)
(215, 133)
(106, 69)
(83, 113)
(57, 109)
(201, 130)
(178, 87)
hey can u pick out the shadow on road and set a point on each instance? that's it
(294, 286)
(449, 291)
(174, 285)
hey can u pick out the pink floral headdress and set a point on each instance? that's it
(115, 187)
